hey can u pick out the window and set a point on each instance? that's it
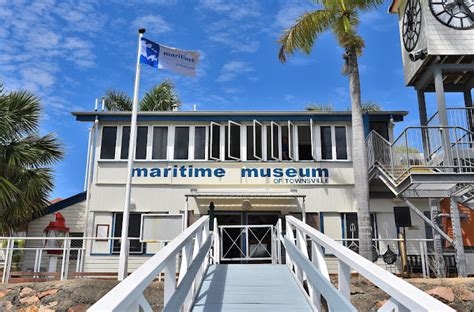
(254, 141)
(134, 226)
(233, 144)
(341, 142)
(160, 143)
(142, 138)
(125, 141)
(304, 143)
(269, 142)
(109, 138)
(257, 140)
(214, 142)
(275, 141)
(326, 142)
(75, 243)
(200, 143)
(351, 229)
(250, 143)
(181, 143)
(285, 143)
(291, 140)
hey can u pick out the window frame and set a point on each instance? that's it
(153, 141)
(291, 140)
(229, 139)
(255, 123)
(192, 143)
(272, 136)
(333, 142)
(211, 140)
(114, 224)
(117, 136)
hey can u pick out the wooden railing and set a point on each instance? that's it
(193, 245)
(313, 270)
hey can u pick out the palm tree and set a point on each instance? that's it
(342, 18)
(26, 177)
(162, 97)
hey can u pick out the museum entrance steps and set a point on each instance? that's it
(426, 162)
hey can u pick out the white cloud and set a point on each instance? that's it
(233, 69)
(290, 11)
(155, 22)
(39, 38)
(235, 24)
(233, 9)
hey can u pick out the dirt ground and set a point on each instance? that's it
(77, 295)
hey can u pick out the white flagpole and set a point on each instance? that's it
(124, 242)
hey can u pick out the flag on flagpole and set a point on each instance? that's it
(163, 57)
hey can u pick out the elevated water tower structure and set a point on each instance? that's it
(437, 42)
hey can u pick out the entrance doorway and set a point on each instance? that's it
(247, 236)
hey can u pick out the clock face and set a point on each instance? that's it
(458, 14)
(411, 24)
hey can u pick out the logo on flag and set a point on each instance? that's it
(163, 57)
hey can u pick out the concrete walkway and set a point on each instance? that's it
(250, 287)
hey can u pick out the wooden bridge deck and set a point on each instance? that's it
(250, 287)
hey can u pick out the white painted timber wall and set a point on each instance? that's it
(75, 220)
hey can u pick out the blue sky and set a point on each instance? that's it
(70, 52)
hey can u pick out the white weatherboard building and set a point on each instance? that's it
(247, 169)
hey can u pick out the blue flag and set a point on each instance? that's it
(149, 52)
(163, 57)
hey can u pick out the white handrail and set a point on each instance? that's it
(403, 295)
(128, 295)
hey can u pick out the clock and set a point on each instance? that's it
(457, 14)
(411, 24)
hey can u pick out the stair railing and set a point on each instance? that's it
(429, 148)
(403, 296)
(193, 245)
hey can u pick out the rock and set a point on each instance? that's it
(45, 309)
(25, 291)
(444, 294)
(53, 304)
(380, 303)
(6, 306)
(29, 309)
(29, 300)
(3, 292)
(48, 292)
(78, 308)
(466, 295)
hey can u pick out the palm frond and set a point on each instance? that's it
(160, 98)
(320, 108)
(303, 33)
(117, 101)
(371, 106)
(25, 177)
(364, 5)
(20, 112)
(31, 151)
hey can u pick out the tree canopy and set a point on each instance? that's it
(26, 158)
(162, 97)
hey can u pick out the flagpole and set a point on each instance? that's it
(124, 242)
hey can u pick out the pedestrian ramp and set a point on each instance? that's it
(250, 287)
(299, 281)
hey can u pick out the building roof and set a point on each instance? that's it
(235, 116)
(63, 203)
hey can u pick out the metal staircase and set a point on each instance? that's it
(424, 161)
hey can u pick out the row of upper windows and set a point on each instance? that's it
(232, 141)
